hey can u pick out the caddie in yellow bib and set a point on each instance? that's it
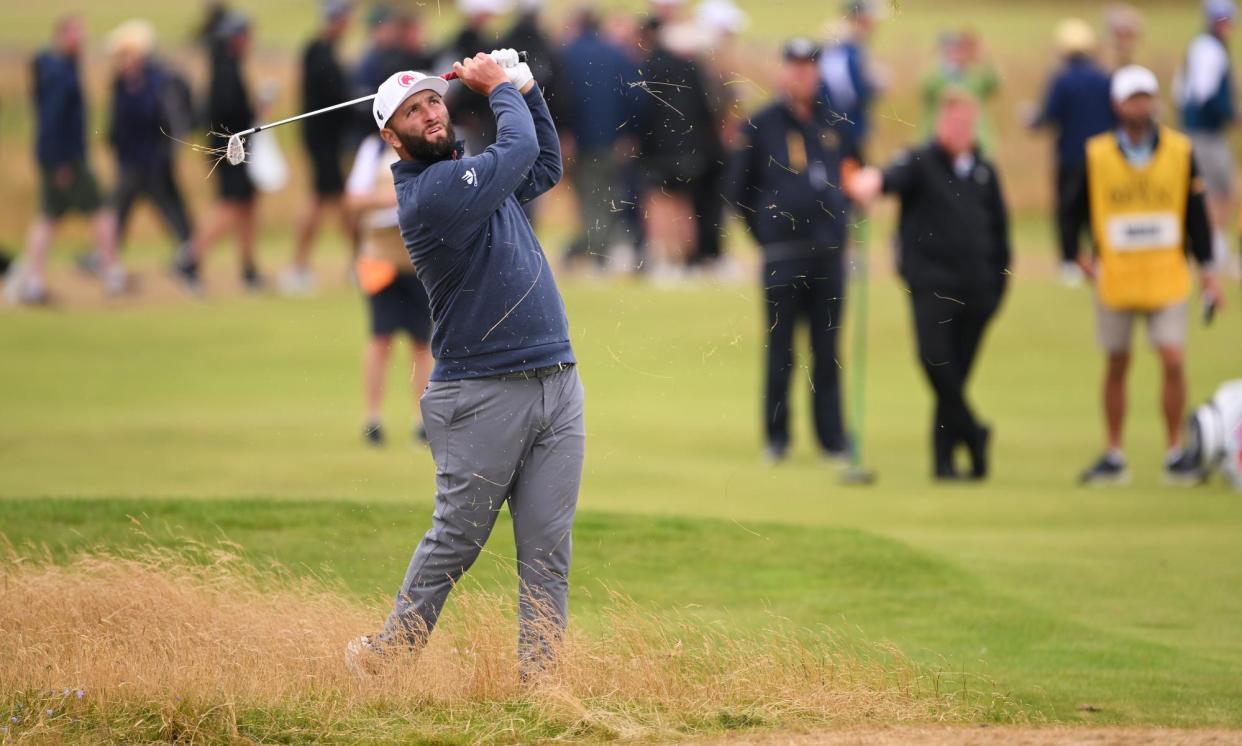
(1146, 207)
(1138, 219)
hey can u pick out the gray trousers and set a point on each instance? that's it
(515, 440)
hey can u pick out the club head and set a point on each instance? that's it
(235, 152)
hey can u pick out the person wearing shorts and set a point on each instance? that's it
(1144, 200)
(324, 83)
(396, 299)
(67, 185)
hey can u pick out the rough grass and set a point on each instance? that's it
(196, 645)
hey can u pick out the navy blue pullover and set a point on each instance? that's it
(61, 131)
(494, 301)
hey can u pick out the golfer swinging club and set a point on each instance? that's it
(504, 410)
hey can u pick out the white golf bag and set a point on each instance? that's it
(1214, 434)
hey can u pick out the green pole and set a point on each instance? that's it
(857, 302)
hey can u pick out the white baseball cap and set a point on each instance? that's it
(400, 86)
(1132, 80)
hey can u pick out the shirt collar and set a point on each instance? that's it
(1140, 154)
(409, 169)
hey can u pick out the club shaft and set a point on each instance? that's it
(334, 107)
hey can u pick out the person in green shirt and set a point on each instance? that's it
(963, 67)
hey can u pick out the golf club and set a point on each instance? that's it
(235, 151)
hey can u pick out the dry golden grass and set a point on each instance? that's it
(198, 646)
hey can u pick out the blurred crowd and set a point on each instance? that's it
(660, 147)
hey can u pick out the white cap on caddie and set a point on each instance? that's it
(1132, 80)
(398, 88)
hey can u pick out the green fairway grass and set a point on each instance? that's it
(240, 418)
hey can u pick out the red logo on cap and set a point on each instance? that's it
(406, 80)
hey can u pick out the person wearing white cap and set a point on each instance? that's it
(1144, 201)
(1205, 94)
(504, 410)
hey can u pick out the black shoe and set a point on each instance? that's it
(942, 454)
(420, 435)
(373, 434)
(774, 453)
(185, 271)
(252, 281)
(1184, 470)
(979, 452)
(1108, 470)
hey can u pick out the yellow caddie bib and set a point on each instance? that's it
(1138, 219)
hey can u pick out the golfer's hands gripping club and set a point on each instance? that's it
(480, 73)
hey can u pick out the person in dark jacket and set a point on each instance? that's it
(954, 236)
(784, 180)
(140, 131)
(678, 142)
(229, 109)
(68, 185)
(470, 110)
(504, 410)
(600, 105)
(1077, 106)
(323, 84)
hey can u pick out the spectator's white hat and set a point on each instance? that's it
(476, 7)
(721, 16)
(1133, 80)
(1219, 10)
(400, 86)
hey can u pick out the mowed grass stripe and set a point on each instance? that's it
(732, 576)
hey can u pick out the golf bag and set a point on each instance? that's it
(1214, 434)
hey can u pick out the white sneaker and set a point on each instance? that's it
(116, 281)
(362, 657)
(1071, 275)
(297, 281)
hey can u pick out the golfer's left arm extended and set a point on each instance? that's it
(547, 170)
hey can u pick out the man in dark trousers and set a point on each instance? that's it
(140, 130)
(1077, 107)
(784, 180)
(504, 410)
(601, 104)
(954, 235)
(324, 83)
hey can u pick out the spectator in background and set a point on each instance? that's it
(954, 235)
(472, 114)
(1145, 201)
(1205, 92)
(962, 66)
(67, 184)
(526, 35)
(375, 65)
(848, 83)
(415, 53)
(678, 139)
(1125, 31)
(396, 299)
(323, 84)
(144, 95)
(229, 109)
(599, 104)
(1077, 106)
(720, 22)
(783, 177)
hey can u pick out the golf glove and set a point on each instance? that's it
(520, 75)
(506, 58)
